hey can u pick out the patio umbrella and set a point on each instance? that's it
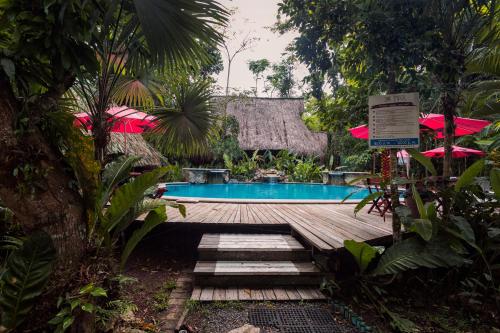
(463, 126)
(457, 152)
(125, 120)
(435, 122)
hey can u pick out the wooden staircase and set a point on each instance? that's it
(255, 262)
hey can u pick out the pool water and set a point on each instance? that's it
(266, 191)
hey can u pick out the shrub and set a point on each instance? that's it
(307, 171)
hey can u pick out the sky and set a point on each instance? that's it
(253, 18)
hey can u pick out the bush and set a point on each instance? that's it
(173, 173)
(307, 171)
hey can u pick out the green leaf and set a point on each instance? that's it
(423, 227)
(418, 200)
(9, 68)
(495, 181)
(153, 219)
(27, 271)
(469, 174)
(67, 323)
(86, 289)
(369, 198)
(127, 196)
(88, 307)
(423, 160)
(413, 253)
(182, 210)
(98, 292)
(362, 253)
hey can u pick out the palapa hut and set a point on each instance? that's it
(135, 145)
(273, 124)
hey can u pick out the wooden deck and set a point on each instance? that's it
(324, 226)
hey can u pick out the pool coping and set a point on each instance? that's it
(250, 201)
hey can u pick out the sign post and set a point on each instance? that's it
(393, 123)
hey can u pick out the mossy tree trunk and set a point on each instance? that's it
(39, 192)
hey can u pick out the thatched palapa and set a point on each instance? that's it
(135, 145)
(273, 124)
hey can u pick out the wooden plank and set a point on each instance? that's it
(257, 295)
(219, 294)
(281, 294)
(207, 294)
(232, 294)
(306, 294)
(244, 214)
(195, 295)
(268, 294)
(317, 293)
(292, 293)
(244, 294)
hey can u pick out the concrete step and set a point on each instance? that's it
(256, 273)
(251, 247)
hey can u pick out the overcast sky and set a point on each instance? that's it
(253, 18)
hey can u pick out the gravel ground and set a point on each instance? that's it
(221, 317)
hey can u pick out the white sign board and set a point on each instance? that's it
(393, 121)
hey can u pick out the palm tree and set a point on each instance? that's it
(457, 25)
(137, 39)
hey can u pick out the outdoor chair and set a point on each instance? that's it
(383, 203)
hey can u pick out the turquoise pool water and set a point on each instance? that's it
(266, 191)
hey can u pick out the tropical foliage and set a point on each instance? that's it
(27, 270)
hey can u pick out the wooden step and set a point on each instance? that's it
(248, 247)
(256, 273)
(277, 293)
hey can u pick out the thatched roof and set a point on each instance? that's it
(135, 145)
(273, 124)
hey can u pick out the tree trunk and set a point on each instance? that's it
(396, 221)
(449, 104)
(40, 198)
(227, 79)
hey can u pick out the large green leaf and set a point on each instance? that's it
(362, 253)
(154, 218)
(27, 271)
(128, 196)
(114, 173)
(425, 161)
(469, 174)
(423, 227)
(369, 198)
(413, 253)
(418, 200)
(495, 181)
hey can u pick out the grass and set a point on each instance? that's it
(160, 298)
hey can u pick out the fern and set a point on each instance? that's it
(28, 269)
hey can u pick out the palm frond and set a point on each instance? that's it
(174, 28)
(186, 124)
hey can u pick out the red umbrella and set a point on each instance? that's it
(457, 152)
(360, 132)
(125, 120)
(435, 122)
(463, 126)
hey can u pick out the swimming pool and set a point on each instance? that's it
(263, 191)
